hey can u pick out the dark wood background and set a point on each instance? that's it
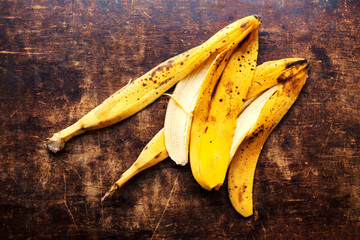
(60, 59)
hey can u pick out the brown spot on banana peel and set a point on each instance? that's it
(215, 88)
(258, 17)
(240, 193)
(293, 85)
(157, 155)
(292, 69)
(289, 65)
(166, 65)
(245, 24)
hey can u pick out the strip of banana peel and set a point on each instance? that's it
(215, 115)
(153, 153)
(156, 150)
(147, 88)
(242, 167)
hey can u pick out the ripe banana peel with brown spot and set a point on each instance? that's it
(217, 108)
(272, 72)
(243, 165)
(147, 88)
(266, 74)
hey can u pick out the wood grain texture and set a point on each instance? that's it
(60, 59)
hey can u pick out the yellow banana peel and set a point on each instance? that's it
(243, 165)
(214, 118)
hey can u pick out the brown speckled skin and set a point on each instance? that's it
(60, 59)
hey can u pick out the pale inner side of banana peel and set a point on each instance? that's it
(178, 118)
(248, 117)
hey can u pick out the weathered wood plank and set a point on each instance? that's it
(59, 59)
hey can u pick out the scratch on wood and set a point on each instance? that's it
(8, 17)
(10, 52)
(264, 229)
(166, 205)
(13, 114)
(147, 14)
(38, 7)
(101, 183)
(232, 224)
(67, 207)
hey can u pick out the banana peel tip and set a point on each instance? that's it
(300, 62)
(257, 17)
(110, 193)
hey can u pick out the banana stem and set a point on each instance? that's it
(57, 141)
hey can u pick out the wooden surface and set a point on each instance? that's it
(60, 59)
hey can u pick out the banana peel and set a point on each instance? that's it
(243, 165)
(217, 108)
(138, 94)
(156, 150)
(235, 111)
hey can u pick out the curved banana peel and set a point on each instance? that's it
(242, 168)
(147, 88)
(156, 150)
(217, 108)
